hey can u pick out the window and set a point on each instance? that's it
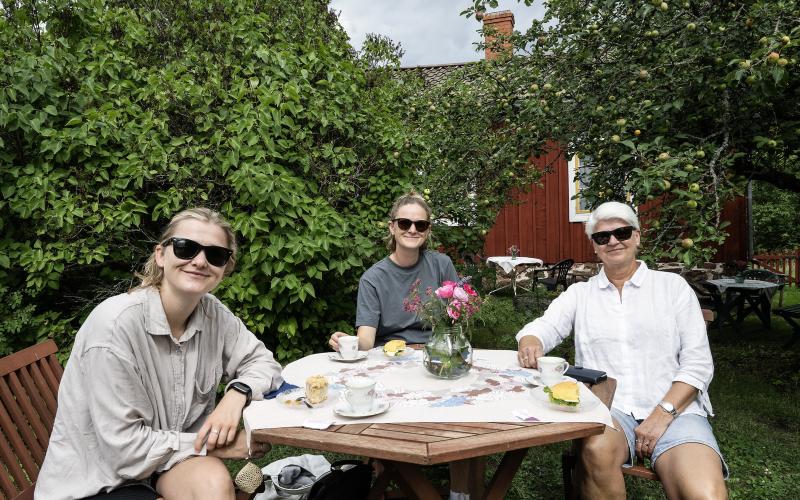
(578, 172)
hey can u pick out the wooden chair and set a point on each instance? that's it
(29, 391)
(29, 381)
(569, 459)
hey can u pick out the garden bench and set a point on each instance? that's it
(569, 458)
(790, 314)
(29, 390)
(29, 381)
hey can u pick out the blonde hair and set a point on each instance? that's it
(152, 274)
(410, 198)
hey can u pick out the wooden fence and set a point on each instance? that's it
(786, 263)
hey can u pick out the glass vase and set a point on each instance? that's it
(448, 354)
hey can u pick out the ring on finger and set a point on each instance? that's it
(214, 431)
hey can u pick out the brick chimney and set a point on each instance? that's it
(503, 22)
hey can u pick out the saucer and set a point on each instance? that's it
(378, 407)
(335, 356)
(293, 399)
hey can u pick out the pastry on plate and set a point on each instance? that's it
(316, 389)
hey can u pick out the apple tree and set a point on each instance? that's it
(675, 104)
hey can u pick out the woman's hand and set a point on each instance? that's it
(238, 449)
(530, 348)
(650, 431)
(220, 427)
(334, 340)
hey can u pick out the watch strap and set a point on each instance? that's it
(669, 408)
(243, 389)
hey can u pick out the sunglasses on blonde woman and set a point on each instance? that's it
(405, 224)
(187, 249)
(620, 233)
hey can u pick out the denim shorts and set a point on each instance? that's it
(686, 428)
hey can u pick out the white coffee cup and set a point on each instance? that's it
(348, 346)
(551, 369)
(360, 394)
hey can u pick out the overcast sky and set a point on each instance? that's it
(430, 31)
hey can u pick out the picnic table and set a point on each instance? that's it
(432, 427)
(748, 296)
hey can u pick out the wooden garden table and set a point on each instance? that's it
(404, 448)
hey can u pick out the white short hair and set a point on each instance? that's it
(611, 210)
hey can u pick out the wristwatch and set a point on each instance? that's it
(244, 389)
(669, 408)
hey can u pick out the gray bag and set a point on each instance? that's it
(292, 477)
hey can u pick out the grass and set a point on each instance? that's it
(754, 393)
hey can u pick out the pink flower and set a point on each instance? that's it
(460, 294)
(452, 311)
(468, 288)
(446, 290)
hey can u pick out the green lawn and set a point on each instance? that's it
(754, 393)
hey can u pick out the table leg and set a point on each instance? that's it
(477, 480)
(412, 481)
(504, 474)
(764, 309)
(381, 483)
(514, 281)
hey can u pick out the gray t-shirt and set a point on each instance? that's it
(383, 287)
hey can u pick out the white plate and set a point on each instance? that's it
(343, 409)
(587, 402)
(535, 381)
(292, 399)
(335, 356)
(408, 351)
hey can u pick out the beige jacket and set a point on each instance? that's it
(132, 397)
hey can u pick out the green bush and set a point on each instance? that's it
(115, 115)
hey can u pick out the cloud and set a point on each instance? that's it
(430, 31)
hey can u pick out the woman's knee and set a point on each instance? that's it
(602, 452)
(197, 478)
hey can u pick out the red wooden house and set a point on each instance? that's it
(545, 222)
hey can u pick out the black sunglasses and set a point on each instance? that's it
(620, 233)
(187, 249)
(405, 224)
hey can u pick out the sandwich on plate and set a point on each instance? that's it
(564, 394)
(394, 347)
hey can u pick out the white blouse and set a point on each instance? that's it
(647, 338)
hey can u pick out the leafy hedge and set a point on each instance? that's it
(116, 114)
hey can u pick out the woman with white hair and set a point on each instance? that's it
(645, 329)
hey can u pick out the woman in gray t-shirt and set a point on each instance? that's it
(380, 315)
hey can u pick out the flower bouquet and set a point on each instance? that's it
(447, 310)
(514, 251)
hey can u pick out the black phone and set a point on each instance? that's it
(587, 375)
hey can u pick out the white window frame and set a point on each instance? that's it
(576, 212)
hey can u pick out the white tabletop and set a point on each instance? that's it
(493, 391)
(508, 263)
(725, 283)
